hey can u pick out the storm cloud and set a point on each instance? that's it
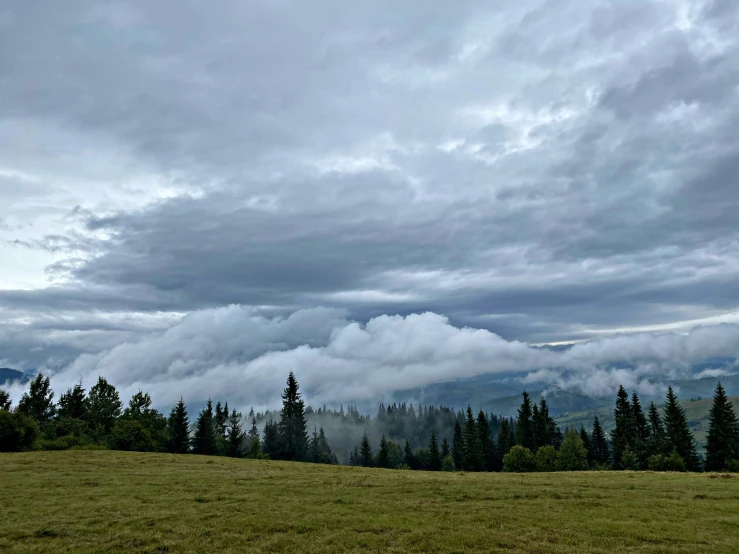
(536, 173)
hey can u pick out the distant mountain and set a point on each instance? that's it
(8, 375)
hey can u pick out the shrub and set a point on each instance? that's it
(447, 464)
(629, 460)
(673, 462)
(519, 460)
(572, 454)
(732, 466)
(132, 436)
(546, 458)
(62, 443)
(17, 431)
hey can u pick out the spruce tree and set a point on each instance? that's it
(473, 460)
(599, 451)
(235, 437)
(524, 424)
(445, 449)
(178, 429)
(656, 440)
(458, 445)
(366, 458)
(293, 436)
(5, 401)
(722, 443)
(410, 460)
(585, 438)
(506, 438)
(73, 403)
(641, 432)
(383, 455)
(489, 454)
(205, 440)
(271, 440)
(678, 434)
(434, 454)
(38, 402)
(252, 438)
(624, 433)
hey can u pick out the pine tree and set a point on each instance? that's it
(458, 445)
(472, 446)
(434, 454)
(524, 424)
(489, 455)
(585, 438)
(252, 438)
(366, 458)
(656, 440)
(383, 456)
(178, 429)
(38, 402)
(445, 449)
(722, 443)
(271, 441)
(410, 460)
(235, 438)
(641, 432)
(625, 432)
(103, 406)
(293, 436)
(506, 438)
(599, 451)
(677, 432)
(73, 403)
(5, 401)
(325, 454)
(543, 425)
(205, 439)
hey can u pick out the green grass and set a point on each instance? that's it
(101, 501)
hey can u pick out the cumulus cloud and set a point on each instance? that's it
(236, 354)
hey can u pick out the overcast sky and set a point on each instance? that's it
(540, 171)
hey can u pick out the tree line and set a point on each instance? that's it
(400, 436)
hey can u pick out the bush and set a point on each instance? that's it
(630, 461)
(132, 436)
(519, 460)
(17, 431)
(65, 426)
(673, 462)
(572, 454)
(546, 458)
(732, 466)
(447, 464)
(62, 443)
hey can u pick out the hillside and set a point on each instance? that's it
(696, 411)
(8, 375)
(100, 501)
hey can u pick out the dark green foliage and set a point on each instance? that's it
(506, 438)
(519, 460)
(660, 462)
(320, 451)
(629, 460)
(572, 454)
(599, 452)
(132, 435)
(422, 458)
(489, 453)
(447, 464)
(104, 406)
(383, 455)
(5, 401)
(178, 429)
(445, 449)
(624, 433)
(234, 436)
(205, 441)
(17, 431)
(38, 402)
(66, 427)
(271, 441)
(154, 423)
(524, 423)
(722, 443)
(678, 434)
(410, 460)
(585, 438)
(457, 445)
(543, 426)
(366, 458)
(434, 454)
(292, 426)
(473, 457)
(656, 440)
(546, 458)
(252, 439)
(73, 403)
(641, 432)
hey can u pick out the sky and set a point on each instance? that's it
(375, 196)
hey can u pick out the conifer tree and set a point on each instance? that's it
(585, 438)
(599, 451)
(103, 406)
(678, 434)
(722, 443)
(543, 425)
(293, 436)
(457, 445)
(624, 433)
(641, 432)
(445, 451)
(252, 438)
(408, 455)
(38, 402)
(271, 440)
(235, 438)
(383, 455)
(178, 429)
(366, 458)
(5, 401)
(489, 454)
(506, 438)
(434, 454)
(473, 460)
(656, 440)
(524, 424)
(73, 403)
(205, 440)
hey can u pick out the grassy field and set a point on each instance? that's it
(102, 501)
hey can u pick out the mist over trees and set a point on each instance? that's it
(400, 436)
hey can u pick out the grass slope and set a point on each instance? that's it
(124, 502)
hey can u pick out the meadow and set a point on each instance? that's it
(103, 501)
